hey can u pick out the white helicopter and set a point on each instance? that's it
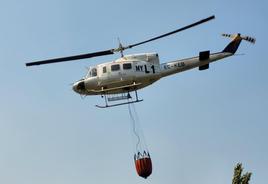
(116, 80)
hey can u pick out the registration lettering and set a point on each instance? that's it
(174, 65)
(145, 68)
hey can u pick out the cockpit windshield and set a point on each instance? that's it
(92, 72)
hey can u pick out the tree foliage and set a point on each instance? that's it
(238, 178)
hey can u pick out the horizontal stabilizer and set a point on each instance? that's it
(204, 67)
(204, 55)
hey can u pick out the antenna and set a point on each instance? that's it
(120, 47)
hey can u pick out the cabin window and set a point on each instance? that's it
(127, 66)
(104, 70)
(115, 67)
(94, 72)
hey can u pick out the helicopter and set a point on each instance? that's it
(119, 80)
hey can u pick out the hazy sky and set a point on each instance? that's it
(197, 125)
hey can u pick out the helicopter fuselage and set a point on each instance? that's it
(133, 72)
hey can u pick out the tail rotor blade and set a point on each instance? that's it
(229, 35)
(249, 39)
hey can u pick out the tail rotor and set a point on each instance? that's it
(239, 36)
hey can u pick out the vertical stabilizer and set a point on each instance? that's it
(236, 40)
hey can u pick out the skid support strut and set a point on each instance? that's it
(122, 96)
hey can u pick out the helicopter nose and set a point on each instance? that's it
(79, 87)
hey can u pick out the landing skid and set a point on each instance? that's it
(123, 96)
(114, 105)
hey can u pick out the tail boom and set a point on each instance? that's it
(205, 58)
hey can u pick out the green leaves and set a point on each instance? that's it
(237, 178)
(245, 178)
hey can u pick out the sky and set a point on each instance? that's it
(197, 124)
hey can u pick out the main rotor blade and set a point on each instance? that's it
(70, 58)
(112, 51)
(173, 32)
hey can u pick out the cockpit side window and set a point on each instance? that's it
(94, 72)
(104, 69)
